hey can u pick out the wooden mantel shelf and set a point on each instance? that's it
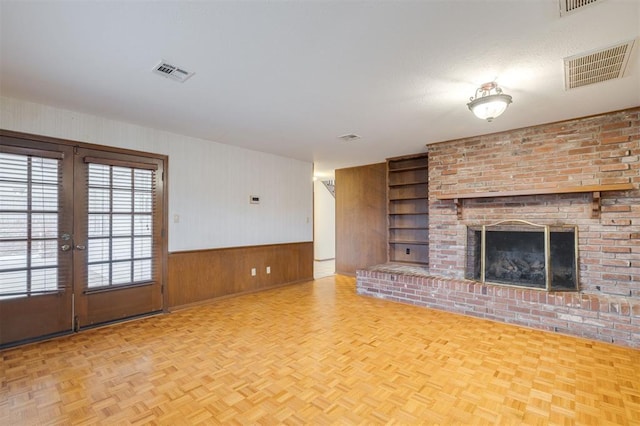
(543, 191)
(594, 189)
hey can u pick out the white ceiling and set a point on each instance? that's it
(289, 77)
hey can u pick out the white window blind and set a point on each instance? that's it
(30, 188)
(119, 225)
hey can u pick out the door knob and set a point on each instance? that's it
(80, 247)
(65, 247)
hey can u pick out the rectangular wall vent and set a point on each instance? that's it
(570, 6)
(605, 64)
(173, 72)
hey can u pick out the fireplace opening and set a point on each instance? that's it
(523, 254)
(515, 258)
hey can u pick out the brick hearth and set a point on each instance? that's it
(598, 150)
(600, 317)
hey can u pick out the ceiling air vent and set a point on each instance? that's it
(570, 6)
(598, 66)
(173, 72)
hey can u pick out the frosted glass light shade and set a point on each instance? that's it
(490, 107)
(489, 102)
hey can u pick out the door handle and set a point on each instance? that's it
(65, 247)
(80, 247)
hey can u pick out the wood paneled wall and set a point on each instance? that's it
(361, 217)
(200, 275)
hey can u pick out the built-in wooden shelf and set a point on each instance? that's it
(595, 190)
(408, 214)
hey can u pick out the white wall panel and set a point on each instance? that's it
(209, 183)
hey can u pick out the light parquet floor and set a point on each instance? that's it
(316, 353)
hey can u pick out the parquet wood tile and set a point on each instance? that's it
(316, 353)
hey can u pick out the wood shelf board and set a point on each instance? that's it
(409, 227)
(408, 168)
(544, 191)
(417, 243)
(393, 185)
(409, 198)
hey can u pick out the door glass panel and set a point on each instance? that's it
(13, 255)
(99, 176)
(99, 250)
(142, 270)
(121, 201)
(142, 224)
(122, 272)
(142, 247)
(99, 225)
(122, 177)
(13, 226)
(44, 170)
(98, 275)
(13, 195)
(44, 225)
(44, 197)
(121, 248)
(119, 225)
(43, 280)
(29, 209)
(14, 167)
(44, 253)
(143, 202)
(99, 200)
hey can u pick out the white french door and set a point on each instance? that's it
(81, 239)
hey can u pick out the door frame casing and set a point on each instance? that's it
(163, 181)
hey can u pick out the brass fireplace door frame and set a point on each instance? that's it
(546, 229)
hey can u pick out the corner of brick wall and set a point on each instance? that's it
(603, 149)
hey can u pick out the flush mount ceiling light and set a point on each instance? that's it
(349, 137)
(489, 102)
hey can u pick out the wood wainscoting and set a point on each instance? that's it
(199, 275)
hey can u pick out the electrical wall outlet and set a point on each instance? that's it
(253, 272)
(268, 269)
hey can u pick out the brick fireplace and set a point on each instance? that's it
(560, 174)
